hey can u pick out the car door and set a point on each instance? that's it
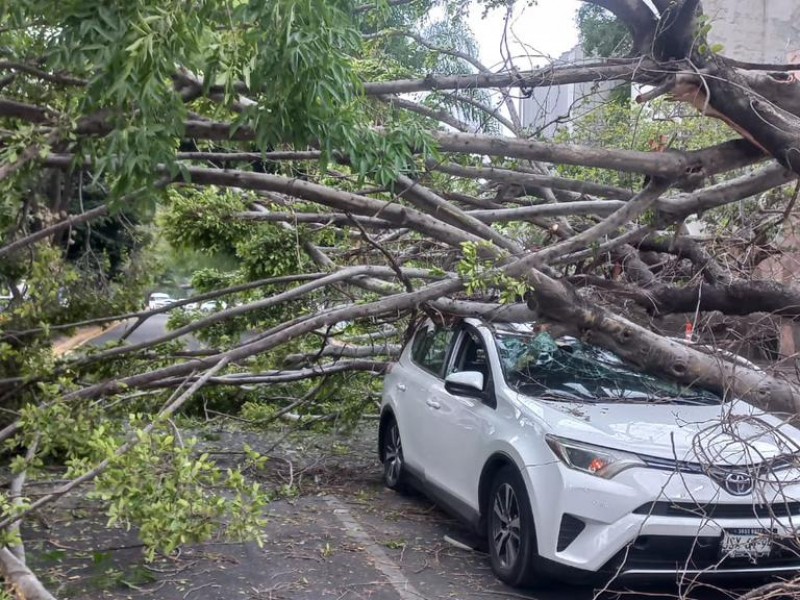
(421, 391)
(462, 424)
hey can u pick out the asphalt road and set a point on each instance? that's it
(342, 536)
(151, 329)
(356, 544)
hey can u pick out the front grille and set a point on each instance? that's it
(672, 553)
(571, 528)
(719, 511)
(761, 469)
(668, 464)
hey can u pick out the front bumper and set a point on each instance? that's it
(611, 525)
(666, 555)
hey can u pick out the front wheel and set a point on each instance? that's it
(510, 531)
(393, 464)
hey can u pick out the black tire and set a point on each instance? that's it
(392, 452)
(510, 531)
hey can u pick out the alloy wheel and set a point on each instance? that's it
(506, 531)
(393, 456)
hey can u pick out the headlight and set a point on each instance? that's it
(595, 460)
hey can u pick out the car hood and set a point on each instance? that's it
(734, 433)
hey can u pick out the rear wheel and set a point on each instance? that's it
(393, 476)
(511, 535)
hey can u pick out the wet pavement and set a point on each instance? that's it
(344, 537)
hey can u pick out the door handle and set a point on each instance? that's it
(433, 404)
(401, 387)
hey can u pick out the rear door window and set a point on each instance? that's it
(430, 348)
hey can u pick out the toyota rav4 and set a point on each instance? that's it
(569, 461)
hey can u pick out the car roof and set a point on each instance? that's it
(501, 327)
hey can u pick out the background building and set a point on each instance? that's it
(766, 31)
(550, 108)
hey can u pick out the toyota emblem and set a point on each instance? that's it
(738, 484)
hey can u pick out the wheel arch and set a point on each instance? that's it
(493, 465)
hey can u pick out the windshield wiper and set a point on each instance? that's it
(562, 395)
(685, 400)
(696, 400)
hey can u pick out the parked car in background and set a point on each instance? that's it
(213, 305)
(571, 463)
(159, 300)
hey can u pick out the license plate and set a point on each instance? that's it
(746, 543)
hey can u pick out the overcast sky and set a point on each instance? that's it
(544, 30)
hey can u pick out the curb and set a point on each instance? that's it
(83, 336)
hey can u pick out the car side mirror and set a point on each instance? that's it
(466, 383)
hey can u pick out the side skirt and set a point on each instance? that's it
(455, 506)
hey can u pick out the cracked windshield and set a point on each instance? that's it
(564, 368)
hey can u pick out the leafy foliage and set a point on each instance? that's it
(602, 34)
(660, 126)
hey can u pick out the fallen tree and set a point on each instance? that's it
(349, 203)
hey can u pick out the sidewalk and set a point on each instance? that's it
(83, 336)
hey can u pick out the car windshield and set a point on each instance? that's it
(566, 369)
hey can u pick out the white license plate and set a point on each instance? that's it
(747, 543)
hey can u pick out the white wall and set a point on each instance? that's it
(755, 30)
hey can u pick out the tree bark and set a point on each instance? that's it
(659, 355)
(604, 70)
(20, 580)
(736, 298)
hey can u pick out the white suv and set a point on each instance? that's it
(571, 462)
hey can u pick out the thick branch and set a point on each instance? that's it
(663, 164)
(281, 335)
(401, 216)
(627, 70)
(27, 112)
(684, 247)
(40, 74)
(343, 351)
(375, 367)
(736, 298)
(637, 17)
(733, 190)
(650, 351)
(565, 209)
(24, 585)
(659, 355)
(229, 313)
(16, 497)
(530, 180)
(625, 214)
